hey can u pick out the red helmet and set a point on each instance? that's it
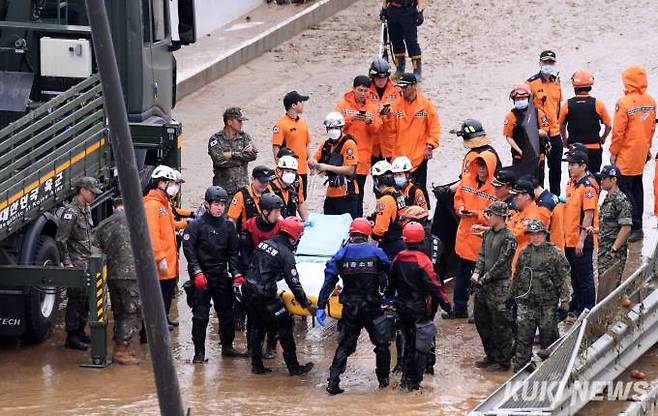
(582, 78)
(360, 226)
(292, 226)
(413, 233)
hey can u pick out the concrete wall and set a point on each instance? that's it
(212, 14)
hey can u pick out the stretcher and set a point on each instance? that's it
(323, 237)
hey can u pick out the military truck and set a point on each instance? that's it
(53, 130)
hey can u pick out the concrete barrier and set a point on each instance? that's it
(257, 46)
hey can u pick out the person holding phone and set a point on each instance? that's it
(363, 123)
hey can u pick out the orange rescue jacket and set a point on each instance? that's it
(362, 133)
(160, 219)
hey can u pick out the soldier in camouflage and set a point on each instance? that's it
(491, 282)
(113, 237)
(75, 244)
(615, 221)
(541, 286)
(231, 150)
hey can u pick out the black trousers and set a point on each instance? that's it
(462, 286)
(582, 279)
(595, 157)
(168, 288)
(304, 178)
(420, 179)
(414, 361)
(350, 329)
(554, 159)
(402, 30)
(342, 205)
(361, 182)
(77, 310)
(220, 291)
(265, 315)
(633, 188)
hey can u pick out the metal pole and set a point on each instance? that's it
(166, 379)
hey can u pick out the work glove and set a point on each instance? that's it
(321, 316)
(312, 309)
(238, 281)
(419, 18)
(162, 266)
(200, 281)
(382, 15)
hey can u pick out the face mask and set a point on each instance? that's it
(521, 104)
(548, 69)
(400, 181)
(288, 178)
(172, 190)
(334, 134)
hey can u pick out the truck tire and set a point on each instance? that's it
(42, 303)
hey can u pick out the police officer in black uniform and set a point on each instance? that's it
(210, 244)
(403, 18)
(272, 261)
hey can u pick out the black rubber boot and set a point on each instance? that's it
(83, 337)
(401, 63)
(333, 387)
(199, 357)
(73, 342)
(300, 370)
(232, 352)
(418, 67)
(260, 370)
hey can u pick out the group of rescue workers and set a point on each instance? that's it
(526, 253)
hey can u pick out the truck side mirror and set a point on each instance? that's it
(186, 22)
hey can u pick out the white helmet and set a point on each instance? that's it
(288, 162)
(179, 176)
(401, 164)
(381, 168)
(164, 172)
(334, 120)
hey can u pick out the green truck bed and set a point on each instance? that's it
(44, 152)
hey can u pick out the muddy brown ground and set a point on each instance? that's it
(473, 53)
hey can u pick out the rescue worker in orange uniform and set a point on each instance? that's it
(633, 128)
(292, 132)
(287, 187)
(581, 119)
(581, 216)
(338, 158)
(363, 123)
(547, 96)
(160, 219)
(413, 195)
(245, 203)
(516, 135)
(476, 141)
(473, 194)
(383, 92)
(412, 126)
(387, 231)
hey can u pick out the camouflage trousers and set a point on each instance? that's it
(127, 309)
(607, 259)
(77, 310)
(493, 321)
(530, 317)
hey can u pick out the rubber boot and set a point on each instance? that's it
(199, 357)
(73, 342)
(232, 352)
(418, 67)
(300, 370)
(333, 387)
(83, 337)
(400, 65)
(123, 355)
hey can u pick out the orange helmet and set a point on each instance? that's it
(413, 233)
(293, 227)
(360, 226)
(520, 91)
(582, 78)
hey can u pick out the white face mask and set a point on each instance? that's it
(172, 190)
(400, 180)
(334, 134)
(521, 104)
(288, 178)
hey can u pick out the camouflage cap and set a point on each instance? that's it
(234, 113)
(535, 226)
(89, 183)
(498, 208)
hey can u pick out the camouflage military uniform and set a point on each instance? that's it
(493, 320)
(231, 174)
(75, 242)
(113, 236)
(615, 211)
(542, 279)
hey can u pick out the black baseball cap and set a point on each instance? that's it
(504, 178)
(263, 173)
(576, 156)
(610, 171)
(547, 55)
(523, 186)
(293, 97)
(407, 79)
(577, 147)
